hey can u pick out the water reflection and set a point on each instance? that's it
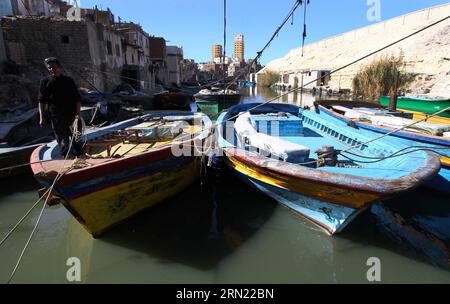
(262, 94)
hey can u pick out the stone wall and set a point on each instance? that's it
(3, 56)
(79, 45)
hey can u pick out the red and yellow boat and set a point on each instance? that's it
(133, 165)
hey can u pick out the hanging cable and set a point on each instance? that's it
(324, 75)
(48, 192)
(304, 26)
(248, 69)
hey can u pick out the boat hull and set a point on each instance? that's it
(100, 204)
(333, 218)
(101, 210)
(427, 106)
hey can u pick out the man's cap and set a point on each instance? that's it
(51, 60)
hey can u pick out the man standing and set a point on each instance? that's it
(61, 95)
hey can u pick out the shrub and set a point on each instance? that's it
(271, 77)
(380, 78)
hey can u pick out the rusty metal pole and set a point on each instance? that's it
(301, 91)
(393, 100)
(393, 103)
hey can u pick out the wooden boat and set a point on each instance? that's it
(134, 165)
(422, 116)
(246, 84)
(224, 97)
(174, 101)
(212, 102)
(20, 134)
(407, 138)
(423, 105)
(328, 191)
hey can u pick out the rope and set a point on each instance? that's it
(396, 130)
(79, 133)
(49, 191)
(274, 35)
(396, 154)
(22, 219)
(224, 37)
(304, 27)
(343, 67)
(259, 54)
(23, 165)
(404, 149)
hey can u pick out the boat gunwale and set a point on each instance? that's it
(366, 184)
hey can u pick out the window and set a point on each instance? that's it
(117, 50)
(65, 39)
(109, 47)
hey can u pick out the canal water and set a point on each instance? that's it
(221, 231)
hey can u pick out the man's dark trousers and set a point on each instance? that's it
(61, 126)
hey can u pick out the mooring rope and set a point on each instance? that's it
(48, 193)
(396, 130)
(343, 67)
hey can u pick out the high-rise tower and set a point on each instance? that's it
(239, 47)
(216, 51)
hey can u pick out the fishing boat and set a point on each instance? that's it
(212, 102)
(269, 147)
(421, 105)
(220, 95)
(423, 135)
(133, 165)
(425, 117)
(20, 134)
(174, 101)
(246, 84)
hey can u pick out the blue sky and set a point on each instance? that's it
(198, 24)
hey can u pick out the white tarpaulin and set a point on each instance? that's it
(398, 122)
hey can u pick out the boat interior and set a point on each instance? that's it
(135, 136)
(144, 137)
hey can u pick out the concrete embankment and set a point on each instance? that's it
(426, 54)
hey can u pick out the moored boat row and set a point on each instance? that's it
(322, 165)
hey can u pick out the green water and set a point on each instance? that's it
(222, 231)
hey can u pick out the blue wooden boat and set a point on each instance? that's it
(246, 84)
(407, 138)
(269, 148)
